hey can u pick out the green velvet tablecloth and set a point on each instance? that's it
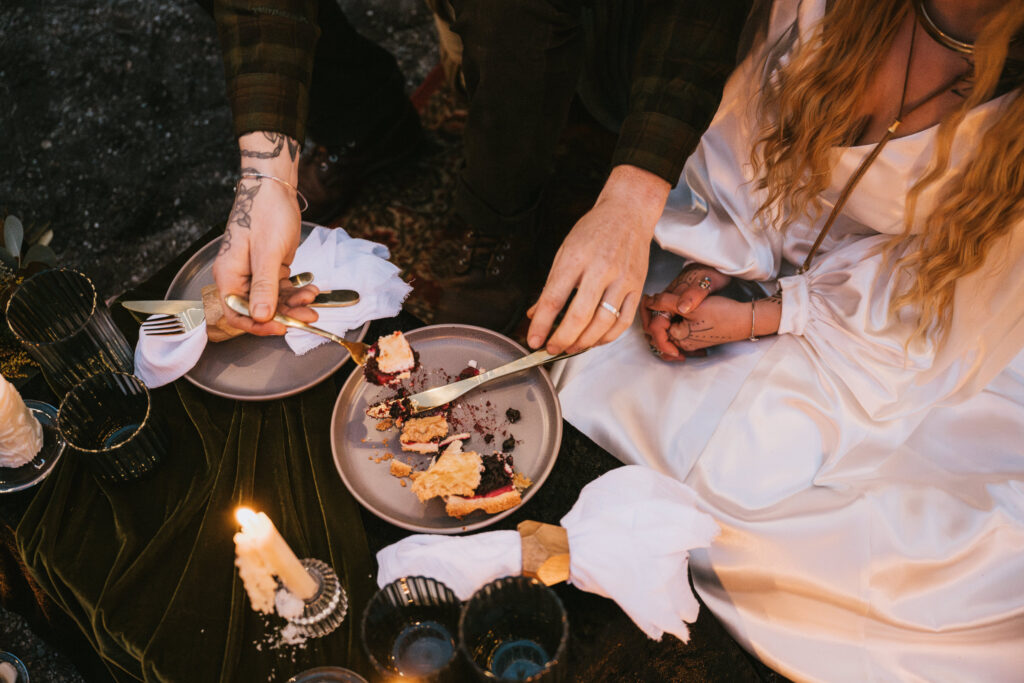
(146, 568)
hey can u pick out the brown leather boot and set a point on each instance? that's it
(330, 176)
(485, 280)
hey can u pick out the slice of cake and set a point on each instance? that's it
(423, 434)
(456, 472)
(500, 488)
(468, 481)
(390, 360)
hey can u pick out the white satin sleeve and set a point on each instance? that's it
(840, 308)
(704, 223)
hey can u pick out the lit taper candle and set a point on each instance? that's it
(261, 536)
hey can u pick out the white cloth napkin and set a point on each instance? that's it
(463, 563)
(161, 360)
(629, 532)
(337, 261)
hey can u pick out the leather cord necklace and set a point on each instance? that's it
(870, 158)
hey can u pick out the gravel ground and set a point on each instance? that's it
(115, 129)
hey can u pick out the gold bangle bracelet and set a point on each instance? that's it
(260, 176)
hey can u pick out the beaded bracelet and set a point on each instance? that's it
(260, 176)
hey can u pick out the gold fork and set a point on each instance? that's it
(357, 350)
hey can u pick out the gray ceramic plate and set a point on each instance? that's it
(35, 470)
(250, 368)
(445, 350)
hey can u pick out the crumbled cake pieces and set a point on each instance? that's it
(390, 360)
(422, 434)
(465, 480)
(400, 469)
(456, 472)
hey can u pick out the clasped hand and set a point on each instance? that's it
(687, 317)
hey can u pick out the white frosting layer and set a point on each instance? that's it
(21, 435)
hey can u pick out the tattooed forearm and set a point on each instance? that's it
(279, 140)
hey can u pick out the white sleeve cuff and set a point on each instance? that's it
(795, 304)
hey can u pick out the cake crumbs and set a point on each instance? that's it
(385, 424)
(400, 469)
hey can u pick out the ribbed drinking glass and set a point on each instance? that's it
(60, 320)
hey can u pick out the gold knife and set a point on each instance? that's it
(337, 298)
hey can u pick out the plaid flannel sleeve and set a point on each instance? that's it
(268, 48)
(686, 52)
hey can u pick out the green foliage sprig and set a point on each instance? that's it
(19, 254)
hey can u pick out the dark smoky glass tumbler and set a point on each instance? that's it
(515, 629)
(59, 319)
(410, 628)
(108, 421)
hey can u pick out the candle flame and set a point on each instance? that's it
(245, 517)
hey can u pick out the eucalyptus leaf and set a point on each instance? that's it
(14, 233)
(40, 253)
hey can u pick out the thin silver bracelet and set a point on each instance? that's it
(753, 320)
(251, 174)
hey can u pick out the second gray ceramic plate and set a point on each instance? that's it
(250, 368)
(360, 451)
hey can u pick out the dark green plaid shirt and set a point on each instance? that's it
(686, 51)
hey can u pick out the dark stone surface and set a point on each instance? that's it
(116, 131)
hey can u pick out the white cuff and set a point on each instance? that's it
(795, 304)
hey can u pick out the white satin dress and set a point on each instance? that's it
(871, 500)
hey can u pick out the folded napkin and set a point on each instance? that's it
(629, 533)
(337, 261)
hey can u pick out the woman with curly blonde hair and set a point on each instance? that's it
(847, 247)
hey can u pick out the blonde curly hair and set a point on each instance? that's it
(825, 80)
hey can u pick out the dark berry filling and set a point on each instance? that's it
(512, 415)
(508, 444)
(497, 474)
(468, 372)
(373, 373)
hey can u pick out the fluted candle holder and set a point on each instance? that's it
(325, 611)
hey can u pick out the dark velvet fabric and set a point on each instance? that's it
(146, 568)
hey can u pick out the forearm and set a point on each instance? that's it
(270, 153)
(639, 191)
(766, 315)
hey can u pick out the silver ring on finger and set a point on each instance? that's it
(654, 350)
(611, 309)
(661, 314)
(705, 282)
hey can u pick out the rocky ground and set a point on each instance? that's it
(115, 129)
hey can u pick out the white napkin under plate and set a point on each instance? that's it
(337, 261)
(630, 533)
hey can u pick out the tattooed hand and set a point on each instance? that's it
(684, 294)
(688, 318)
(262, 235)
